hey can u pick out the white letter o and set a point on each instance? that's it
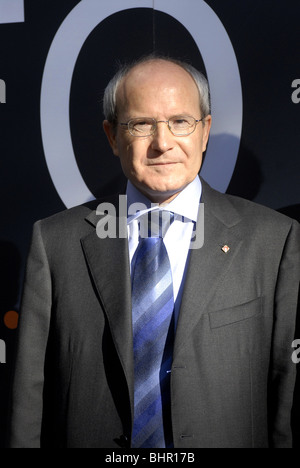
(223, 75)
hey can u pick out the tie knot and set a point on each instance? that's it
(155, 223)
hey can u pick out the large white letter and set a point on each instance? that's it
(223, 74)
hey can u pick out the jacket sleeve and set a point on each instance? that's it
(28, 381)
(283, 370)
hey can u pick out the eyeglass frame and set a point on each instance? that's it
(161, 121)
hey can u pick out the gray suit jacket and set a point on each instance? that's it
(232, 377)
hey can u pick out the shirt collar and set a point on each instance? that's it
(185, 204)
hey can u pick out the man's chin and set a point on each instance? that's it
(162, 194)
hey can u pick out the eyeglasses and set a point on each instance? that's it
(180, 125)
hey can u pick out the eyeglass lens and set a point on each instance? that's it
(179, 125)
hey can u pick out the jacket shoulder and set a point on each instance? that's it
(67, 226)
(242, 206)
(75, 214)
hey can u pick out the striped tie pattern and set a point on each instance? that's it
(152, 309)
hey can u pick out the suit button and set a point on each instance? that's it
(123, 441)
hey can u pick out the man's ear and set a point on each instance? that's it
(111, 134)
(206, 131)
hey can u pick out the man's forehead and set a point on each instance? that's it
(156, 69)
(152, 74)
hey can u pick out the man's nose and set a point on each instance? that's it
(162, 139)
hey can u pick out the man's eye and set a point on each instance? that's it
(143, 126)
(142, 123)
(180, 122)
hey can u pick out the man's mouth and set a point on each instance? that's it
(163, 163)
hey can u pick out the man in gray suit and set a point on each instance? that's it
(230, 381)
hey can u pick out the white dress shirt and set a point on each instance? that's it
(177, 240)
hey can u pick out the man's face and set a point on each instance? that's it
(161, 165)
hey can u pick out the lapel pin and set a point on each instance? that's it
(225, 248)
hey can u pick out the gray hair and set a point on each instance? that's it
(110, 93)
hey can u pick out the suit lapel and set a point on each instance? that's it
(208, 264)
(108, 262)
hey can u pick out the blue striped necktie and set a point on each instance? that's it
(152, 309)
